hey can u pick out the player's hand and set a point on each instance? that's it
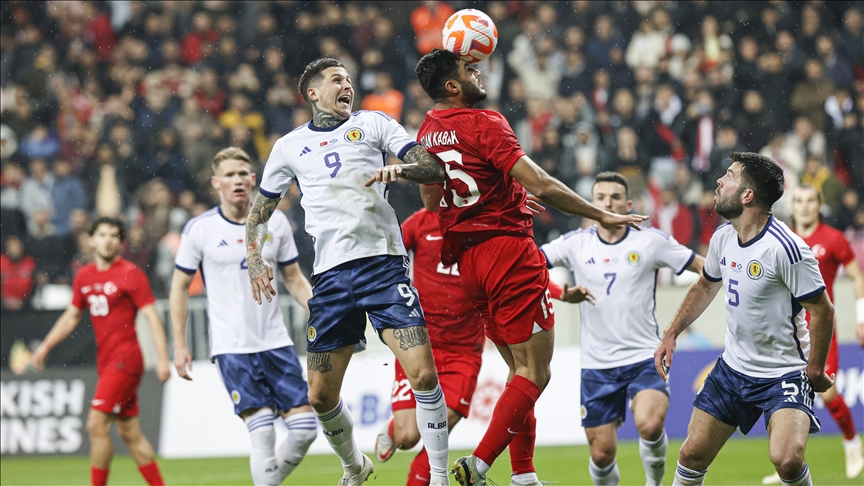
(819, 381)
(859, 331)
(260, 275)
(576, 295)
(386, 174)
(533, 204)
(612, 220)
(183, 362)
(38, 358)
(163, 370)
(663, 356)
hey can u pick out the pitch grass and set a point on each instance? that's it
(741, 462)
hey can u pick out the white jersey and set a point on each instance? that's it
(620, 328)
(238, 325)
(347, 220)
(764, 281)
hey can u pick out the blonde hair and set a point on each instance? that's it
(231, 153)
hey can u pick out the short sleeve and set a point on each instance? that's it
(843, 250)
(558, 251)
(392, 137)
(672, 254)
(140, 291)
(711, 269)
(499, 141)
(801, 275)
(278, 175)
(281, 227)
(189, 253)
(77, 295)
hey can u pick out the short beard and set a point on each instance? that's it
(732, 207)
(471, 94)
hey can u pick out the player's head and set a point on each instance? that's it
(611, 193)
(444, 76)
(753, 180)
(325, 85)
(806, 203)
(106, 237)
(233, 175)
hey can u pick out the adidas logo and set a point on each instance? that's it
(222, 243)
(306, 150)
(590, 262)
(414, 313)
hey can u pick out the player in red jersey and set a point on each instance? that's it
(831, 250)
(487, 229)
(113, 290)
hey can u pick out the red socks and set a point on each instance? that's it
(508, 418)
(151, 474)
(842, 416)
(418, 472)
(98, 477)
(522, 446)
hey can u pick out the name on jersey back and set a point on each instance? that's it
(432, 139)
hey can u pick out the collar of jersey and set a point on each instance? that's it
(757, 237)
(219, 209)
(627, 233)
(334, 127)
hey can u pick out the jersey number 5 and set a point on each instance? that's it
(452, 156)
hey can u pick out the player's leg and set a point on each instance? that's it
(522, 446)
(603, 397)
(788, 429)
(101, 451)
(705, 437)
(302, 431)
(836, 404)
(418, 471)
(603, 446)
(262, 436)
(404, 415)
(650, 401)
(129, 429)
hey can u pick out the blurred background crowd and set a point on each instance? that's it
(116, 108)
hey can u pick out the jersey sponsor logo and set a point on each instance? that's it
(354, 135)
(222, 243)
(235, 397)
(306, 150)
(433, 238)
(723, 261)
(464, 402)
(634, 258)
(609, 260)
(736, 267)
(754, 270)
(590, 261)
(311, 333)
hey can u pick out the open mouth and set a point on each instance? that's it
(344, 101)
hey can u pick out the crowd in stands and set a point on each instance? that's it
(116, 108)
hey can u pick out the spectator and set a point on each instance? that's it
(166, 162)
(202, 32)
(699, 129)
(199, 133)
(647, 46)
(755, 124)
(747, 74)
(836, 107)
(809, 95)
(36, 190)
(210, 96)
(51, 252)
(850, 146)
(240, 113)
(791, 56)
(838, 70)
(674, 218)
(577, 77)
(10, 193)
(776, 88)
(16, 274)
(817, 176)
(605, 38)
(428, 21)
(849, 44)
(68, 195)
(385, 98)
(719, 161)
(805, 140)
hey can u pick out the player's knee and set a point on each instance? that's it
(322, 401)
(789, 466)
(691, 458)
(128, 434)
(406, 438)
(426, 379)
(603, 455)
(97, 427)
(651, 429)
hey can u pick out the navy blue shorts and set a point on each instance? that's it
(270, 378)
(605, 393)
(738, 400)
(342, 296)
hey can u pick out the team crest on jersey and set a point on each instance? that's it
(311, 333)
(268, 238)
(109, 288)
(584, 412)
(754, 270)
(354, 135)
(634, 258)
(235, 397)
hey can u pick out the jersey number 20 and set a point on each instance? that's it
(98, 305)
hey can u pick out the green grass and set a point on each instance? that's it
(741, 462)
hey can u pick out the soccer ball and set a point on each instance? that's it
(470, 34)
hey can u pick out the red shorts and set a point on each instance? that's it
(117, 394)
(507, 281)
(457, 373)
(832, 363)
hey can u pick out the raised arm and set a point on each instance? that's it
(296, 283)
(157, 333)
(700, 295)
(260, 272)
(821, 328)
(419, 166)
(179, 309)
(555, 193)
(64, 326)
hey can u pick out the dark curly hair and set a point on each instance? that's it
(312, 74)
(762, 175)
(434, 70)
(121, 227)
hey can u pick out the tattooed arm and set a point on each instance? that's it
(420, 166)
(260, 272)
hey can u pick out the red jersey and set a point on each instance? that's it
(481, 200)
(831, 250)
(113, 298)
(451, 319)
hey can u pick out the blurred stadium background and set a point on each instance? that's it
(115, 108)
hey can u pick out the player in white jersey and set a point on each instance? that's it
(360, 261)
(249, 343)
(619, 329)
(771, 364)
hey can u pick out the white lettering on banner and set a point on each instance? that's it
(44, 435)
(41, 416)
(41, 398)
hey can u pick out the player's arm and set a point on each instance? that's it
(418, 166)
(157, 333)
(64, 326)
(431, 195)
(700, 295)
(821, 328)
(260, 272)
(857, 277)
(697, 264)
(555, 193)
(179, 309)
(296, 283)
